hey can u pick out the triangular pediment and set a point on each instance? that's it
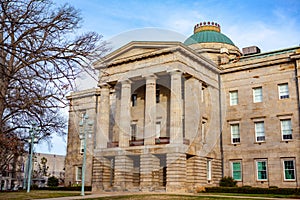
(134, 49)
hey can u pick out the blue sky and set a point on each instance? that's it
(268, 24)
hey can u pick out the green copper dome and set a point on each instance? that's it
(208, 32)
(208, 36)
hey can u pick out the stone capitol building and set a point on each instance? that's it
(172, 116)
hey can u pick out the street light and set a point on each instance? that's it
(85, 128)
(34, 129)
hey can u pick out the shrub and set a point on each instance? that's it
(52, 181)
(253, 190)
(227, 181)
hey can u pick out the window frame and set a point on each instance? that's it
(134, 100)
(256, 131)
(78, 172)
(233, 101)
(257, 171)
(284, 169)
(241, 170)
(231, 133)
(255, 100)
(283, 130)
(157, 129)
(209, 169)
(133, 131)
(283, 94)
(81, 150)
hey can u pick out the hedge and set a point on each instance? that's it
(77, 188)
(253, 190)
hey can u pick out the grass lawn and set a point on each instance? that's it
(37, 194)
(40, 194)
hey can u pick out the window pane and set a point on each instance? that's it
(286, 129)
(257, 95)
(235, 133)
(261, 170)
(283, 91)
(236, 171)
(289, 170)
(260, 131)
(233, 95)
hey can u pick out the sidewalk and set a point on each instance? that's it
(111, 194)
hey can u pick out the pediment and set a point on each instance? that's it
(134, 49)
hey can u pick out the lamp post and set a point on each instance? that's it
(33, 139)
(85, 128)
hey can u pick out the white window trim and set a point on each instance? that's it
(279, 92)
(254, 97)
(291, 129)
(237, 161)
(230, 97)
(256, 167)
(255, 130)
(76, 173)
(289, 159)
(82, 146)
(239, 132)
(209, 169)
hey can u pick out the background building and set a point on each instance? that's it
(44, 166)
(177, 116)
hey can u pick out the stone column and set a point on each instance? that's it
(146, 172)
(150, 110)
(192, 117)
(176, 110)
(125, 118)
(102, 136)
(123, 177)
(176, 172)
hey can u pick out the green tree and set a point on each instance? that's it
(40, 57)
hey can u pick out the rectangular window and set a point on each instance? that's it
(157, 95)
(82, 146)
(235, 133)
(283, 90)
(203, 130)
(233, 95)
(208, 169)
(261, 167)
(133, 130)
(260, 131)
(286, 129)
(289, 169)
(236, 167)
(133, 100)
(157, 129)
(78, 173)
(257, 94)
(202, 94)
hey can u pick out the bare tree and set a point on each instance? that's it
(40, 57)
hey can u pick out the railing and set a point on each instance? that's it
(162, 140)
(112, 144)
(139, 142)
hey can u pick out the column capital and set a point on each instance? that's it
(125, 81)
(149, 76)
(104, 85)
(175, 72)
